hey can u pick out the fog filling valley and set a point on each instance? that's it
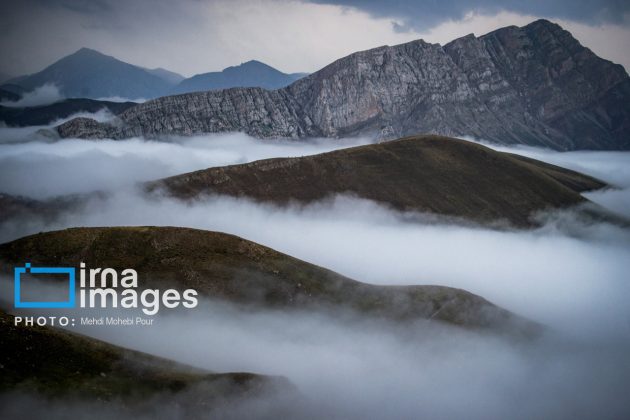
(43, 95)
(570, 275)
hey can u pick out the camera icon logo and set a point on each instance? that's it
(27, 269)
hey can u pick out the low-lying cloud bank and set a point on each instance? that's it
(121, 99)
(345, 367)
(569, 274)
(550, 275)
(43, 95)
(39, 168)
(43, 133)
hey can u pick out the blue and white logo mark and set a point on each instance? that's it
(27, 269)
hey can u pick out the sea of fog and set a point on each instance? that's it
(569, 274)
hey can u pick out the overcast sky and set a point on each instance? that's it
(196, 36)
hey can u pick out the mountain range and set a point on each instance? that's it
(90, 74)
(534, 85)
(250, 74)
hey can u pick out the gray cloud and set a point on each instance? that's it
(351, 368)
(422, 15)
(43, 169)
(42, 95)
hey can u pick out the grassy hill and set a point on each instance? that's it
(236, 270)
(57, 364)
(426, 173)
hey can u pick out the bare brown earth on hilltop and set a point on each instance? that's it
(433, 174)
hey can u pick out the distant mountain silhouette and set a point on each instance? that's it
(90, 74)
(250, 74)
(169, 76)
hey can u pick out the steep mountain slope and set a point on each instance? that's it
(226, 267)
(45, 114)
(89, 74)
(249, 74)
(427, 173)
(533, 85)
(62, 365)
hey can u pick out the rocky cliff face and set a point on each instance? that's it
(532, 85)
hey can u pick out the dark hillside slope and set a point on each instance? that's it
(433, 174)
(236, 270)
(58, 364)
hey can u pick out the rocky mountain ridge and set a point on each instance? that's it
(534, 85)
